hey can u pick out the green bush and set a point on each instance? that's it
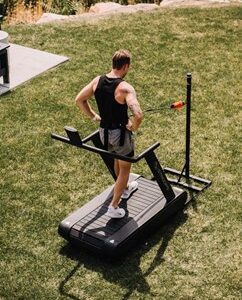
(4, 6)
(65, 7)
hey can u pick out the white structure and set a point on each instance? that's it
(3, 37)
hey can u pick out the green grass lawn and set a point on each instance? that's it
(196, 255)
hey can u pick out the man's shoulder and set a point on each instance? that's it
(124, 85)
(95, 81)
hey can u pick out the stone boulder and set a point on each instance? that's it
(104, 7)
(49, 17)
(111, 7)
(200, 3)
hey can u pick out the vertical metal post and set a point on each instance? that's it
(188, 125)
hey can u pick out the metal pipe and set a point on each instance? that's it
(188, 124)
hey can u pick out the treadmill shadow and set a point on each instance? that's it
(125, 272)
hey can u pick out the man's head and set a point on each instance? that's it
(121, 60)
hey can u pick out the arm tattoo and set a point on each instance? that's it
(135, 109)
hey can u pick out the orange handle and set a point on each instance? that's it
(178, 104)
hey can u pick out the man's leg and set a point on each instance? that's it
(116, 167)
(123, 169)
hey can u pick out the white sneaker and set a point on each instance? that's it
(132, 187)
(116, 213)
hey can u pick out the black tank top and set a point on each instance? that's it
(112, 113)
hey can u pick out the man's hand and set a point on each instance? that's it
(129, 126)
(83, 97)
(96, 118)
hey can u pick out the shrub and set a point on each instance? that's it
(66, 7)
(19, 11)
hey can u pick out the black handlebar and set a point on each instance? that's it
(75, 140)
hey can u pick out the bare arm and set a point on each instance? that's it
(82, 99)
(133, 104)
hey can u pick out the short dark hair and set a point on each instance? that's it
(121, 58)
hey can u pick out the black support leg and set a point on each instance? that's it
(160, 176)
(5, 66)
(109, 161)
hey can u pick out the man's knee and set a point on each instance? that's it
(124, 166)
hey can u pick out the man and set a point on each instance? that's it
(114, 96)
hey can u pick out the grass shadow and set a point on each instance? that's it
(126, 271)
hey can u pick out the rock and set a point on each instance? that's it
(104, 7)
(200, 3)
(111, 7)
(99, 10)
(48, 17)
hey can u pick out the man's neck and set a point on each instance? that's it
(115, 74)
